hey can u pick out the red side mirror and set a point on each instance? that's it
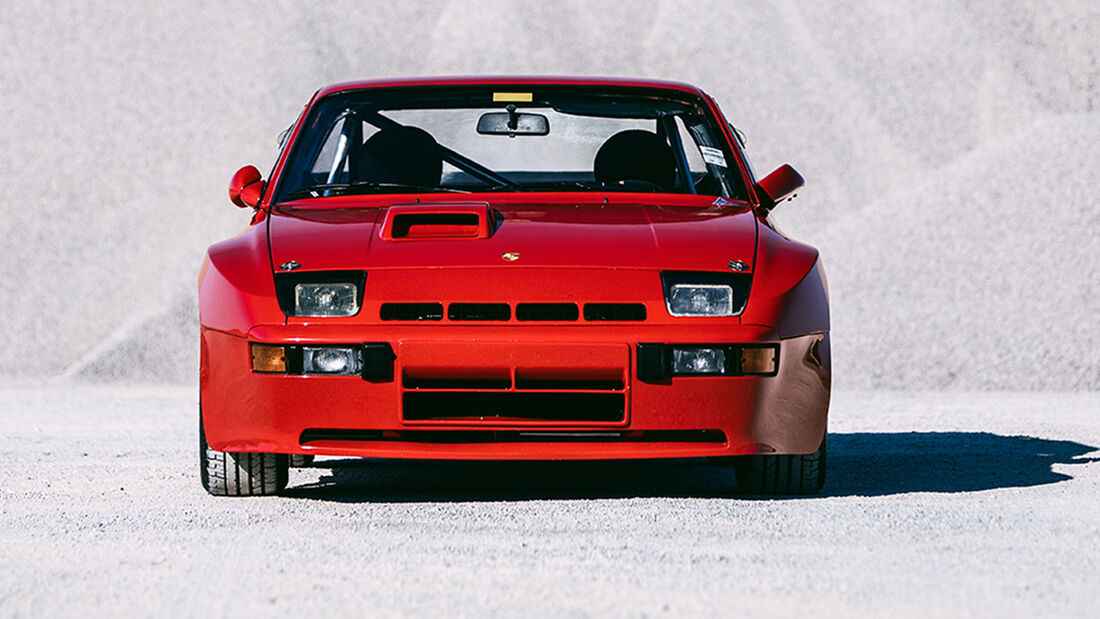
(778, 186)
(245, 187)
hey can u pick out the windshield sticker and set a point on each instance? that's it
(512, 97)
(713, 156)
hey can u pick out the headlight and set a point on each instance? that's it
(326, 300)
(330, 360)
(698, 360)
(320, 293)
(700, 300)
(705, 293)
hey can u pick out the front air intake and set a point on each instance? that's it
(505, 406)
(460, 437)
(479, 311)
(547, 311)
(425, 222)
(624, 312)
(412, 311)
(434, 225)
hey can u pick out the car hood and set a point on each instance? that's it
(632, 236)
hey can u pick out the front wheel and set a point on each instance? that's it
(782, 474)
(240, 474)
(299, 461)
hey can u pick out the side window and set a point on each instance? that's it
(331, 163)
(330, 151)
(695, 161)
(707, 162)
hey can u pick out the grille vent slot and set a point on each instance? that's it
(456, 383)
(525, 312)
(546, 311)
(510, 405)
(412, 311)
(569, 384)
(512, 436)
(614, 311)
(479, 311)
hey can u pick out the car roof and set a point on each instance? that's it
(508, 81)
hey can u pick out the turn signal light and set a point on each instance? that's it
(758, 360)
(269, 359)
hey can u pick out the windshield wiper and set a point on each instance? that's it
(330, 189)
(500, 187)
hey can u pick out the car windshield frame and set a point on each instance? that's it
(674, 114)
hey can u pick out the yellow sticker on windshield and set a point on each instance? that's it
(512, 97)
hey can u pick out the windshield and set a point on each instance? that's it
(508, 138)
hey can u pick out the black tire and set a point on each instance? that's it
(782, 474)
(298, 461)
(240, 474)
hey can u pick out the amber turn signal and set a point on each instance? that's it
(268, 358)
(758, 360)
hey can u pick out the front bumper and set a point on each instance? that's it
(680, 417)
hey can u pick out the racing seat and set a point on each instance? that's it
(636, 155)
(403, 155)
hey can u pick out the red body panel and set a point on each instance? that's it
(236, 290)
(520, 248)
(548, 230)
(789, 291)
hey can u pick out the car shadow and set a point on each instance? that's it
(860, 464)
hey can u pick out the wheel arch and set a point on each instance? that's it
(236, 285)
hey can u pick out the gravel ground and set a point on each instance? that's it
(936, 504)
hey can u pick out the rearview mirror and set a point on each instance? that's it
(778, 186)
(246, 187)
(512, 123)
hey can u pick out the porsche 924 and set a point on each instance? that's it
(513, 269)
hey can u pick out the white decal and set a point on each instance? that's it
(713, 156)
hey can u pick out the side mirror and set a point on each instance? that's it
(778, 186)
(245, 187)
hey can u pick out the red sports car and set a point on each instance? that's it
(513, 269)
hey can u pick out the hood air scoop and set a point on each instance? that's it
(412, 222)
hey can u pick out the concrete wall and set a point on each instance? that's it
(949, 149)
